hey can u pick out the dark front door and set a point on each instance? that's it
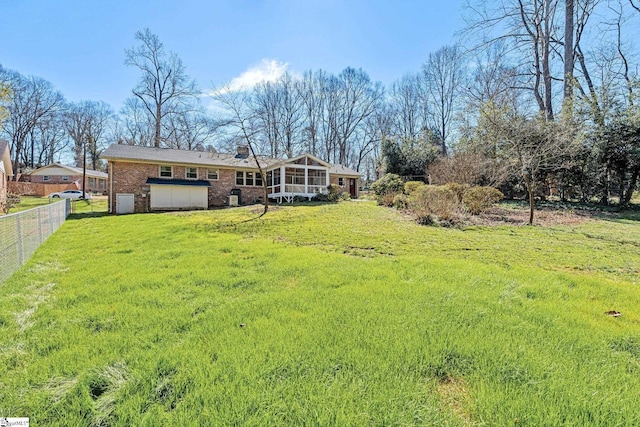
(352, 187)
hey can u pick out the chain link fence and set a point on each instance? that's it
(22, 233)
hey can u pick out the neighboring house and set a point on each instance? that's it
(6, 170)
(55, 173)
(143, 179)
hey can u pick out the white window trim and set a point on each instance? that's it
(46, 177)
(160, 171)
(186, 172)
(217, 171)
(244, 179)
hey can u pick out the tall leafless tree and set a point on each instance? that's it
(244, 126)
(279, 107)
(33, 100)
(443, 73)
(87, 124)
(164, 86)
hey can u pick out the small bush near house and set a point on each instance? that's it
(400, 201)
(478, 199)
(411, 186)
(434, 201)
(389, 184)
(12, 200)
(334, 194)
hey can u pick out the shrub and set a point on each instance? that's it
(389, 185)
(400, 201)
(13, 199)
(459, 189)
(478, 199)
(333, 194)
(343, 196)
(466, 168)
(434, 201)
(411, 186)
(387, 199)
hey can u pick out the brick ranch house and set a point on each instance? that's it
(55, 173)
(6, 170)
(144, 179)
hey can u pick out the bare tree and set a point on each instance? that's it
(46, 141)
(530, 28)
(164, 85)
(87, 124)
(33, 100)
(135, 126)
(191, 130)
(279, 106)
(443, 73)
(568, 52)
(358, 98)
(244, 125)
(408, 106)
(526, 148)
(311, 91)
(5, 97)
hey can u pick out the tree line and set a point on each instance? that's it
(536, 97)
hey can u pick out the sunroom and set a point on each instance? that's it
(303, 176)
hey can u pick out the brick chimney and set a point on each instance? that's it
(242, 152)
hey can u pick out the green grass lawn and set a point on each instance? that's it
(29, 202)
(340, 314)
(96, 204)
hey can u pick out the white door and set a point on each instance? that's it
(124, 203)
(178, 197)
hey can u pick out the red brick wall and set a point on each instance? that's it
(334, 179)
(57, 179)
(131, 178)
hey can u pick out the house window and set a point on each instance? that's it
(102, 184)
(166, 171)
(92, 183)
(65, 178)
(191, 173)
(341, 182)
(212, 174)
(46, 178)
(253, 179)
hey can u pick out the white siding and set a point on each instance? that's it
(178, 197)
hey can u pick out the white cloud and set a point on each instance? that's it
(268, 70)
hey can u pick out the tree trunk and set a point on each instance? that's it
(568, 53)
(156, 138)
(530, 184)
(546, 65)
(632, 186)
(604, 199)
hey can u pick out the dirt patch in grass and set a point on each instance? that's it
(454, 393)
(520, 216)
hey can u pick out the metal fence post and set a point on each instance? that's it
(19, 242)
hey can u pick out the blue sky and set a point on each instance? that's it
(79, 45)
